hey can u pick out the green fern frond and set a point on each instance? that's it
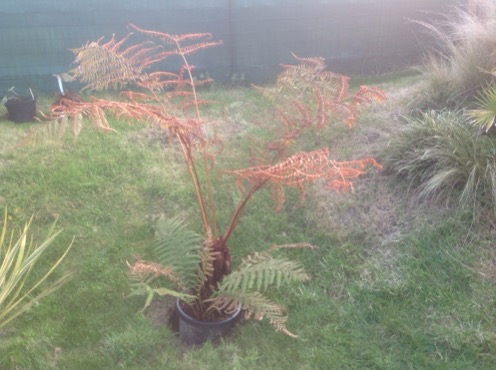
(205, 268)
(261, 270)
(256, 273)
(178, 248)
(257, 306)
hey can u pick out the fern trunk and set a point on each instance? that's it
(220, 267)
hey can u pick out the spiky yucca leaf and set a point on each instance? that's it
(18, 257)
(178, 248)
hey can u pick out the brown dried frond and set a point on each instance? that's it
(187, 105)
(301, 168)
(309, 76)
(190, 49)
(77, 111)
(316, 62)
(178, 40)
(68, 111)
(308, 91)
(144, 270)
(169, 38)
(50, 131)
(368, 94)
(140, 107)
(135, 96)
(276, 318)
(293, 124)
(104, 66)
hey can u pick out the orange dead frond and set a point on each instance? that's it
(367, 94)
(144, 269)
(169, 38)
(178, 40)
(112, 64)
(310, 95)
(315, 62)
(166, 37)
(190, 49)
(74, 109)
(342, 90)
(135, 96)
(149, 268)
(301, 168)
(104, 66)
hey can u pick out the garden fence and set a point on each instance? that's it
(355, 36)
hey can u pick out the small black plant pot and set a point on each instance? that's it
(194, 332)
(21, 108)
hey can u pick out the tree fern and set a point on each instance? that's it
(306, 96)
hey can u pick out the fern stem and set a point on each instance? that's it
(190, 164)
(240, 208)
(204, 155)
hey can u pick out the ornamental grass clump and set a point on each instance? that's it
(441, 155)
(462, 53)
(306, 98)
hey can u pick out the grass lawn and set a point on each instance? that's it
(395, 284)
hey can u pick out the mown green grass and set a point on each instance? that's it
(416, 300)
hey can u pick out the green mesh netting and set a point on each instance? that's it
(355, 36)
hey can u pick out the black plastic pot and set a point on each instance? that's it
(21, 108)
(195, 332)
